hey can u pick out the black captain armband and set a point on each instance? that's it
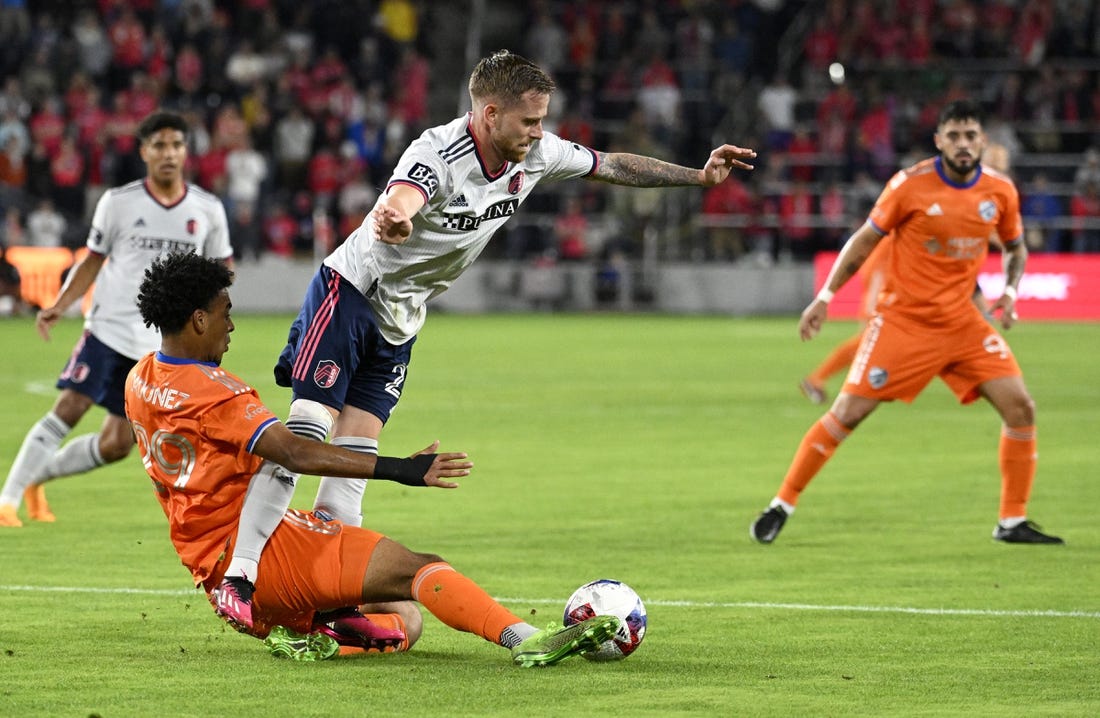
(409, 472)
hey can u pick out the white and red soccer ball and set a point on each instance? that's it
(606, 597)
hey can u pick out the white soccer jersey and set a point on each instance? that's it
(465, 205)
(131, 228)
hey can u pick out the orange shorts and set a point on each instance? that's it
(897, 358)
(307, 565)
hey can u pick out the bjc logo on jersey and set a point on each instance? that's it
(325, 374)
(191, 224)
(424, 176)
(516, 183)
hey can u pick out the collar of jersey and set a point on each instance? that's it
(956, 185)
(162, 357)
(480, 158)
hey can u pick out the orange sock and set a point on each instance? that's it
(460, 603)
(386, 620)
(841, 357)
(817, 446)
(1018, 456)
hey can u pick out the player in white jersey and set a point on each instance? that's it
(348, 350)
(133, 225)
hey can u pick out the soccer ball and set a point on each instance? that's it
(607, 597)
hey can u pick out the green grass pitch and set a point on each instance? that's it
(630, 447)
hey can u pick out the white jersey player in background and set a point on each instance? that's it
(132, 225)
(348, 351)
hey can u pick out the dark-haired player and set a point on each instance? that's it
(203, 434)
(940, 215)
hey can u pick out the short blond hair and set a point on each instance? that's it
(505, 77)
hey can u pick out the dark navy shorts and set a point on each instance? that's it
(98, 371)
(335, 353)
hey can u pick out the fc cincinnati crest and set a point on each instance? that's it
(325, 374)
(191, 225)
(877, 377)
(516, 183)
(988, 210)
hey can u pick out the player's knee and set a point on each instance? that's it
(112, 450)
(1022, 412)
(310, 419)
(116, 440)
(412, 618)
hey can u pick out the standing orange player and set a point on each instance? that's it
(944, 213)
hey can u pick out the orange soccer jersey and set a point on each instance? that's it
(941, 236)
(873, 275)
(195, 424)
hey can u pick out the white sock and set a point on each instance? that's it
(516, 634)
(1011, 522)
(789, 508)
(38, 448)
(79, 455)
(268, 497)
(343, 498)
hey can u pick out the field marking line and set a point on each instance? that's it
(986, 612)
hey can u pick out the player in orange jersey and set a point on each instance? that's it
(873, 274)
(203, 434)
(941, 214)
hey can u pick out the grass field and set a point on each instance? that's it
(630, 447)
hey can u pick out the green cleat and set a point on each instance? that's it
(555, 643)
(285, 643)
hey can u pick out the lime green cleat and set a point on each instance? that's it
(285, 643)
(555, 643)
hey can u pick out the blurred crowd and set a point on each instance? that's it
(296, 109)
(300, 109)
(836, 96)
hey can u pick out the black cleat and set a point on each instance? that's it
(767, 525)
(1026, 532)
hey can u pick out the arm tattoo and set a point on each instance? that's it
(1014, 262)
(640, 171)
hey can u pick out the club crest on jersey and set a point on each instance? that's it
(80, 373)
(988, 210)
(326, 373)
(516, 183)
(191, 226)
(877, 377)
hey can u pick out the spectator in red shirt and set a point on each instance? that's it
(796, 214)
(67, 175)
(127, 36)
(1084, 208)
(47, 126)
(733, 202)
(571, 231)
(280, 231)
(802, 155)
(324, 176)
(188, 69)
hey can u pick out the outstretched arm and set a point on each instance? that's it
(640, 171)
(308, 456)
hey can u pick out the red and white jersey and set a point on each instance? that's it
(131, 228)
(466, 203)
(196, 425)
(941, 232)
